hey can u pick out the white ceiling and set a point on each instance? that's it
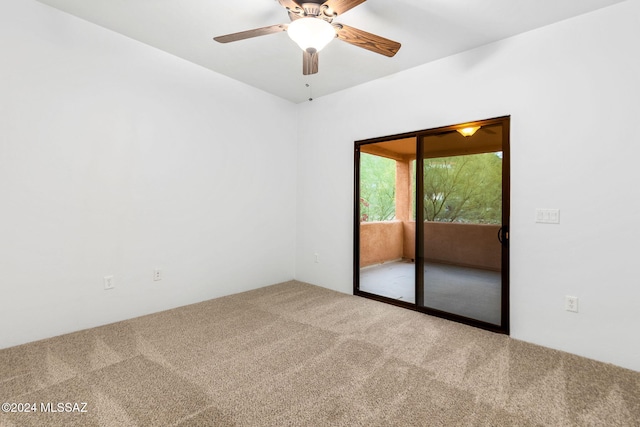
(427, 29)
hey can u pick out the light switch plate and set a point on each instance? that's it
(548, 216)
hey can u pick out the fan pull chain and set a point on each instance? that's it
(310, 95)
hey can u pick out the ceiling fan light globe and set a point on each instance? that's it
(311, 33)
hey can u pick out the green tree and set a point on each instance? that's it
(464, 188)
(377, 188)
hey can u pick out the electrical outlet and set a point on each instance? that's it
(108, 283)
(157, 275)
(571, 303)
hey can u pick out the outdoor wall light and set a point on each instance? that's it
(468, 131)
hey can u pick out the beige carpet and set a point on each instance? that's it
(293, 354)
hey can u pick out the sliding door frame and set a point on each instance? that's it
(504, 327)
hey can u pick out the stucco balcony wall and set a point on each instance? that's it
(469, 245)
(380, 241)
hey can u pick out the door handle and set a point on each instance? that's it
(503, 235)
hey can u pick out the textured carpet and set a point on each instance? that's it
(293, 354)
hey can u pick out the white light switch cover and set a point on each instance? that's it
(548, 216)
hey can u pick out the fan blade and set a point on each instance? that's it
(367, 41)
(309, 62)
(341, 6)
(294, 16)
(251, 33)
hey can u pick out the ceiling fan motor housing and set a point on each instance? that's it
(317, 9)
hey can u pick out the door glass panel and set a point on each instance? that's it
(387, 225)
(462, 212)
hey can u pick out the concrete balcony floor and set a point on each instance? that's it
(469, 292)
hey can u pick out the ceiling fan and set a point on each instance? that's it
(312, 28)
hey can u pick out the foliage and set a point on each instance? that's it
(377, 188)
(456, 189)
(464, 189)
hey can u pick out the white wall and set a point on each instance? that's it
(115, 159)
(572, 91)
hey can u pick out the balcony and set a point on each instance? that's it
(461, 269)
(460, 193)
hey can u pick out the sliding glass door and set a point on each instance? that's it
(386, 219)
(432, 222)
